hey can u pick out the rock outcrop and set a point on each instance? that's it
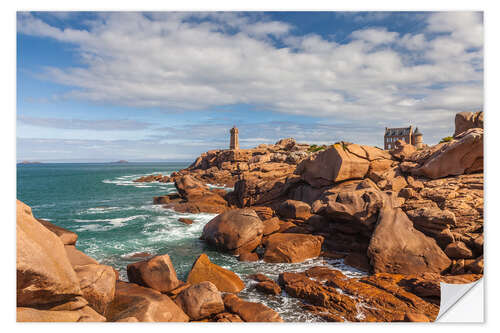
(467, 120)
(194, 197)
(397, 247)
(335, 297)
(44, 273)
(462, 155)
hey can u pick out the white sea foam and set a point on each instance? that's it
(104, 210)
(128, 180)
(172, 229)
(111, 223)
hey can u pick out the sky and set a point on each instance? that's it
(167, 86)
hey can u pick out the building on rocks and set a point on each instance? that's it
(402, 133)
(234, 142)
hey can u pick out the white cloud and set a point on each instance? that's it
(413, 42)
(375, 36)
(171, 61)
(465, 27)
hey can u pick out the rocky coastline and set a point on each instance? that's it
(409, 218)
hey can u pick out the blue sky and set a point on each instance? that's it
(168, 86)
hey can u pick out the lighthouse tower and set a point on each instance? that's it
(419, 140)
(234, 142)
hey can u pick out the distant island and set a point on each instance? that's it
(120, 161)
(29, 162)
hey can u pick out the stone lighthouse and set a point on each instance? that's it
(419, 140)
(234, 143)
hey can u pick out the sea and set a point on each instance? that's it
(115, 218)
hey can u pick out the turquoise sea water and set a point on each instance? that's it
(115, 218)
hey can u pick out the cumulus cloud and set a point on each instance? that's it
(195, 61)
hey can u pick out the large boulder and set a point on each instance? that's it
(462, 155)
(250, 311)
(397, 247)
(237, 231)
(44, 273)
(204, 270)
(289, 247)
(200, 300)
(467, 120)
(145, 304)
(157, 273)
(97, 283)
(334, 164)
(66, 236)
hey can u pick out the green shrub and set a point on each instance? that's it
(315, 148)
(446, 139)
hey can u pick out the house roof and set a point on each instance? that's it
(397, 131)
